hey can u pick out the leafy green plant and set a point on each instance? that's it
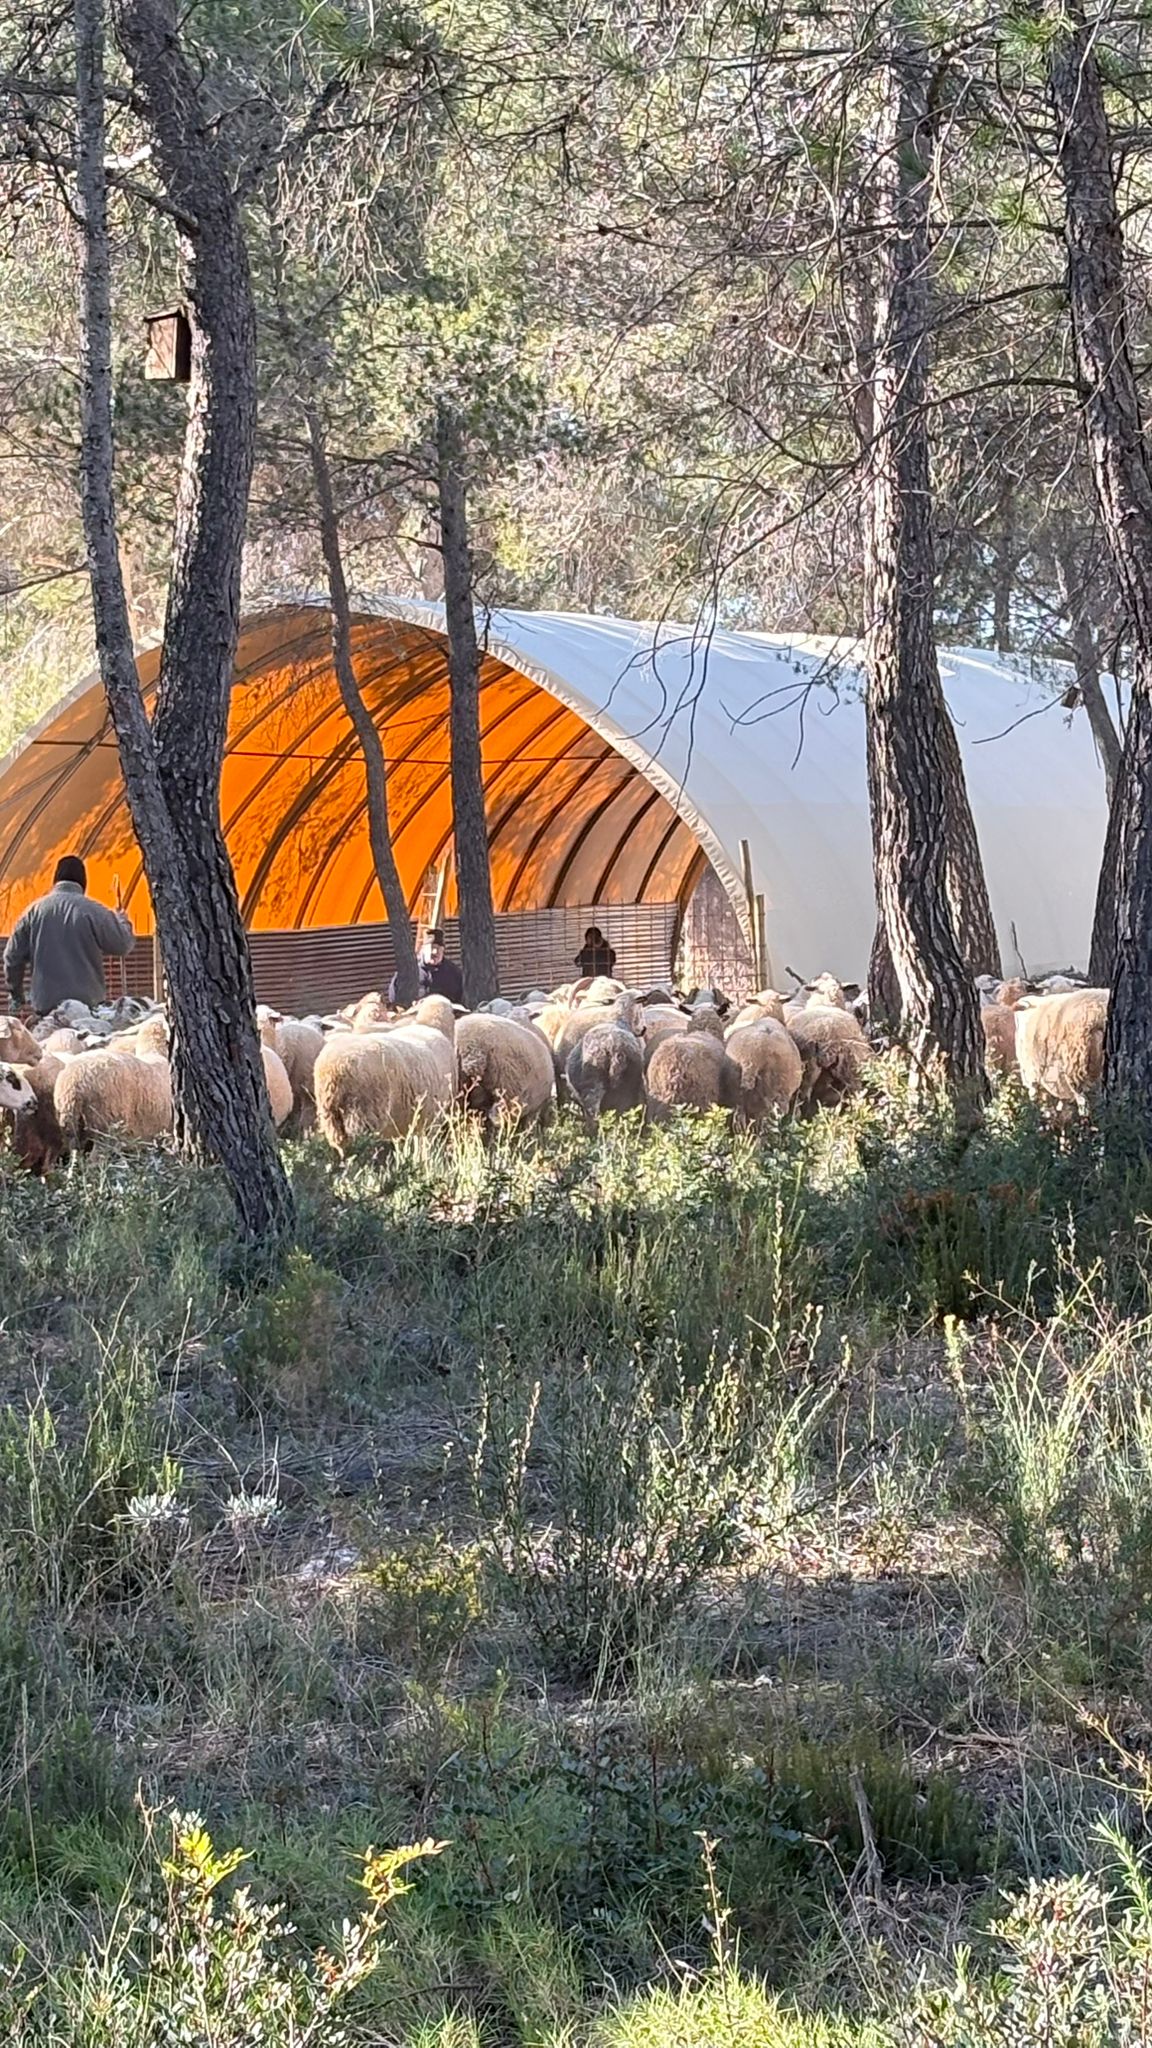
(211, 1965)
(420, 1600)
(1071, 1968)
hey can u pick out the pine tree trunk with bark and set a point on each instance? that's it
(1122, 473)
(912, 751)
(363, 723)
(470, 824)
(171, 767)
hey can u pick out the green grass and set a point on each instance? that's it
(736, 1552)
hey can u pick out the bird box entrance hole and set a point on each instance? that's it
(169, 357)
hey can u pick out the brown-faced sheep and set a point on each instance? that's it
(692, 1070)
(1060, 1044)
(835, 1053)
(999, 1026)
(605, 1070)
(17, 1045)
(769, 1069)
(572, 1028)
(100, 1094)
(505, 1069)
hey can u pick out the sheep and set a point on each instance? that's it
(17, 1045)
(825, 993)
(505, 1069)
(385, 1083)
(299, 1046)
(999, 1026)
(1060, 1045)
(662, 1021)
(1009, 993)
(37, 1139)
(602, 990)
(570, 1029)
(369, 1013)
(768, 1066)
(834, 1051)
(605, 1069)
(65, 1039)
(15, 1089)
(765, 1003)
(101, 1094)
(692, 1070)
(281, 1099)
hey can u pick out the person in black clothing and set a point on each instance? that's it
(438, 975)
(596, 955)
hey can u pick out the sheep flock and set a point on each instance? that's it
(80, 1076)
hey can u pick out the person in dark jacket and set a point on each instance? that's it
(439, 976)
(62, 939)
(596, 955)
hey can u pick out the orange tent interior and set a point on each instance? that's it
(571, 821)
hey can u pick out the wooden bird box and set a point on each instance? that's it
(169, 357)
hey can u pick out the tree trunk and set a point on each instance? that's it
(1122, 473)
(171, 769)
(1087, 664)
(1004, 574)
(1102, 958)
(363, 724)
(910, 757)
(470, 825)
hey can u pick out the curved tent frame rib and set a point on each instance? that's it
(618, 757)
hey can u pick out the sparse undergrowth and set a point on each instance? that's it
(737, 1554)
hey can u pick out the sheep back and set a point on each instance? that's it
(769, 1069)
(1060, 1044)
(505, 1068)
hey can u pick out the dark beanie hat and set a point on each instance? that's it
(71, 869)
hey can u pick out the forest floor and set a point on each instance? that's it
(729, 1561)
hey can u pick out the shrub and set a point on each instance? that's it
(421, 1600)
(1073, 1970)
(608, 1495)
(209, 1966)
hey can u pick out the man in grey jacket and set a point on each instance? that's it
(63, 938)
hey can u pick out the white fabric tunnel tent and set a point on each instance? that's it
(619, 758)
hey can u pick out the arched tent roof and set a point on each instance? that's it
(616, 756)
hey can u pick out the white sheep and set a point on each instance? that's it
(299, 1045)
(1060, 1045)
(281, 1099)
(769, 1069)
(37, 1139)
(692, 1070)
(505, 1069)
(998, 1023)
(15, 1089)
(835, 1053)
(386, 1083)
(605, 1069)
(101, 1094)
